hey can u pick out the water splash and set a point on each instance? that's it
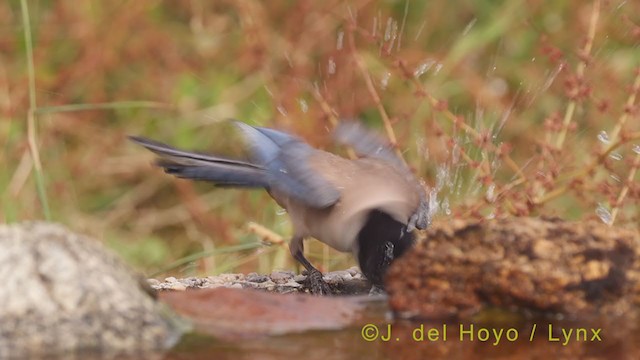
(442, 175)
(423, 67)
(604, 214)
(491, 193)
(391, 32)
(603, 137)
(433, 203)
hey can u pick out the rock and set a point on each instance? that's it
(300, 278)
(178, 286)
(280, 277)
(338, 276)
(255, 278)
(541, 266)
(64, 293)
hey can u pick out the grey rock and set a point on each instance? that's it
(71, 295)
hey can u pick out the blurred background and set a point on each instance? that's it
(519, 108)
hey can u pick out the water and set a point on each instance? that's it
(331, 66)
(615, 156)
(304, 107)
(603, 137)
(604, 214)
(384, 82)
(497, 338)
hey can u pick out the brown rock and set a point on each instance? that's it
(538, 265)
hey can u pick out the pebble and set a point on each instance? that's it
(256, 278)
(178, 286)
(281, 276)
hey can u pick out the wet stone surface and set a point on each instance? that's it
(341, 282)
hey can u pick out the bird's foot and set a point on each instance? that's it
(317, 285)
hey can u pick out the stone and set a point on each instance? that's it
(71, 295)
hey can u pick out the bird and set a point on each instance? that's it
(370, 205)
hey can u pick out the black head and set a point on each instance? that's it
(381, 240)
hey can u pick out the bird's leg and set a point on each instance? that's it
(317, 285)
(384, 265)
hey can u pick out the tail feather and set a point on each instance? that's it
(218, 170)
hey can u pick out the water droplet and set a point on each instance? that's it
(423, 67)
(384, 82)
(340, 40)
(331, 67)
(615, 156)
(533, 59)
(615, 178)
(433, 203)
(391, 32)
(491, 216)
(603, 137)
(437, 69)
(636, 149)
(442, 174)
(490, 195)
(445, 206)
(455, 153)
(281, 211)
(303, 105)
(604, 214)
(281, 110)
